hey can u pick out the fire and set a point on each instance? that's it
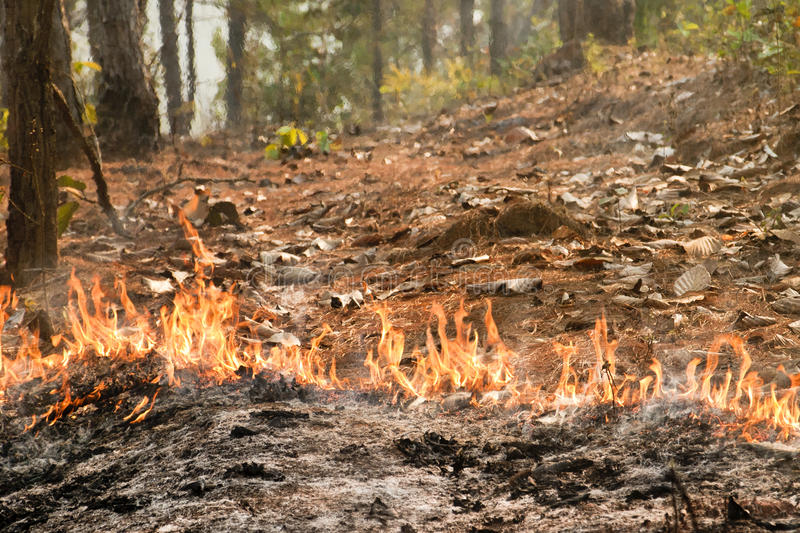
(457, 365)
(196, 338)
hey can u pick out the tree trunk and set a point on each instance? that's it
(31, 223)
(67, 149)
(428, 35)
(498, 40)
(233, 90)
(610, 21)
(172, 67)
(127, 106)
(465, 12)
(191, 64)
(377, 61)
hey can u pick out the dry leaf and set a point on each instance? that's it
(702, 246)
(787, 306)
(694, 279)
(159, 286)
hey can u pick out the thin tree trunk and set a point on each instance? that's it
(377, 61)
(571, 20)
(172, 67)
(67, 150)
(498, 40)
(610, 21)
(31, 223)
(3, 83)
(428, 35)
(191, 64)
(465, 11)
(233, 91)
(127, 106)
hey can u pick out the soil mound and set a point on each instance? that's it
(519, 219)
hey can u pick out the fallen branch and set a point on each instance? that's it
(93, 155)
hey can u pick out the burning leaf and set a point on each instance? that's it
(159, 286)
(506, 286)
(702, 246)
(694, 279)
(196, 210)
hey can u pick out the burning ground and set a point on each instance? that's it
(554, 311)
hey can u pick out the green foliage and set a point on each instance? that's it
(289, 137)
(595, 55)
(677, 211)
(765, 33)
(64, 215)
(415, 93)
(323, 142)
(67, 209)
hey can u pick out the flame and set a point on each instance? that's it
(196, 338)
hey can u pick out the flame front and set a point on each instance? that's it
(196, 337)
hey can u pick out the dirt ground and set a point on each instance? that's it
(607, 187)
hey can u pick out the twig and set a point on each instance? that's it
(92, 154)
(607, 369)
(9, 163)
(672, 476)
(167, 186)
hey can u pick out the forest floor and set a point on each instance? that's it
(606, 187)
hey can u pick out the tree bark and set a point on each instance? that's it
(172, 67)
(127, 106)
(610, 21)
(67, 149)
(31, 224)
(498, 40)
(465, 12)
(233, 90)
(377, 61)
(428, 35)
(191, 64)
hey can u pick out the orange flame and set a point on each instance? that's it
(196, 337)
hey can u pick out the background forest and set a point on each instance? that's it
(300, 67)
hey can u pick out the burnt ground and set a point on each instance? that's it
(606, 197)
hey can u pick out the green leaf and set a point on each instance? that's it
(271, 151)
(323, 142)
(64, 215)
(68, 181)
